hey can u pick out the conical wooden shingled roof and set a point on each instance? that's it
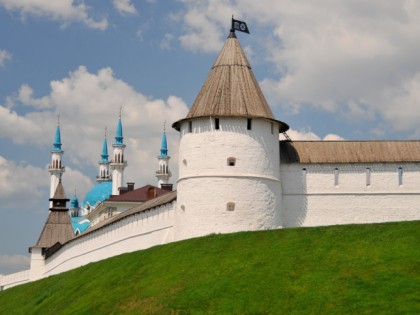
(231, 89)
(57, 228)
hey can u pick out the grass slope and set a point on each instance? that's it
(354, 269)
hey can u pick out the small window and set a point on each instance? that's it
(230, 206)
(272, 128)
(400, 176)
(231, 161)
(336, 177)
(190, 126)
(216, 124)
(368, 171)
(249, 124)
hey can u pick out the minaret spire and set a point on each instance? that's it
(118, 163)
(56, 167)
(104, 162)
(163, 173)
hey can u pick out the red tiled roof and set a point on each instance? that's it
(140, 194)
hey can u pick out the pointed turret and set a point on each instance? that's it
(119, 134)
(229, 163)
(57, 228)
(57, 142)
(163, 173)
(231, 89)
(56, 168)
(74, 206)
(104, 163)
(118, 163)
(164, 145)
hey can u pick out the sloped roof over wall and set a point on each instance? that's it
(349, 151)
(231, 89)
(57, 228)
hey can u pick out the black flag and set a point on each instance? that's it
(239, 26)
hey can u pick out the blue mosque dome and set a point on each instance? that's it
(79, 226)
(97, 194)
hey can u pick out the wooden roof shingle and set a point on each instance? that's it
(307, 152)
(57, 228)
(231, 89)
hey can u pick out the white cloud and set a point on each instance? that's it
(345, 56)
(22, 129)
(14, 263)
(33, 182)
(65, 11)
(308, 135)
(17, 179)
(124, 6)
(25, 96)
(165, 44)
(205, 23)
(87, 103)
(4, 56)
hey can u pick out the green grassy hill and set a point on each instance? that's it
(353, 269)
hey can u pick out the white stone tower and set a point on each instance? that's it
(163, 173)
(118, 163)
(229, 164)
(104, 163)
(56, 168)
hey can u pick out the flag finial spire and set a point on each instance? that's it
(239, 26)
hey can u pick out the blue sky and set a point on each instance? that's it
(331, 70)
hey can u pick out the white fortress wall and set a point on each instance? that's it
(328, 194)
(229, 207)
(138, 231)
(14, 279)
